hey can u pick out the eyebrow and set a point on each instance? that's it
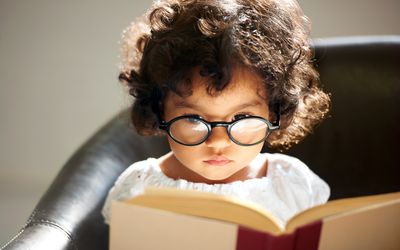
(183, 104)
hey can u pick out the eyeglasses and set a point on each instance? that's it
(191, 130)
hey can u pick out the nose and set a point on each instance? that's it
(219, 138)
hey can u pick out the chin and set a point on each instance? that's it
(213, 179)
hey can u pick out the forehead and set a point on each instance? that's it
(242, 79)
(245, 88)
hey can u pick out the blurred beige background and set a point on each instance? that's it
(58, 71)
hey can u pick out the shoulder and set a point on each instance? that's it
(129, 184)
(298, 177)
(284, 164)
(132, 178)
(135, 171)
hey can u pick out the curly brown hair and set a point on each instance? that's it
(270, 37)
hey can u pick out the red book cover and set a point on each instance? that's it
(304, 238)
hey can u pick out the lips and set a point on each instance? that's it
(218, 161)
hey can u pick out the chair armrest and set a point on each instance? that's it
(68, 216)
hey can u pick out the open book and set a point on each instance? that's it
(166, 218)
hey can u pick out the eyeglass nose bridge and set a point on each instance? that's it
(219, 124)
(212, 125)
(226, 125)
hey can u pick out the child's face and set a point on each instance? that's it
(218, 158)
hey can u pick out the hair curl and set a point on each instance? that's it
(271, 37)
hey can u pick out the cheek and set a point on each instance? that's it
(184, 153)
(190, 155)
(247, 154)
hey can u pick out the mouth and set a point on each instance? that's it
(218, 161)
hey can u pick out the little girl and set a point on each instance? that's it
(221, 78)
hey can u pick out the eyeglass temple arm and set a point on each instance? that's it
(162, 125)
(277, 124)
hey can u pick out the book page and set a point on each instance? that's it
(136, 227)
(338, 206)
(209, 205)
(370, 228)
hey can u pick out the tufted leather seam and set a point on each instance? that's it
(53, 225)
(22, 229)
(31, 222)
(13, 238)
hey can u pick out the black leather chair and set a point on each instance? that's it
(354, 150)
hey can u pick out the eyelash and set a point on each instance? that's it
(192, 114)
(241, 115)
(235, 117)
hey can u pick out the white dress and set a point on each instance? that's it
(288, 188)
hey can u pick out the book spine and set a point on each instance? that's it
(251, 239)
(304, 238)
(308, 236)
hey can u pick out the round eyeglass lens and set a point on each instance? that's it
(249, 131)
(188, 130)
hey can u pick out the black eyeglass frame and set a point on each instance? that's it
(227, 125)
